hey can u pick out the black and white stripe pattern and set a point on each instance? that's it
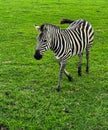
(66, 43)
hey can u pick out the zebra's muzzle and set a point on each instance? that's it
(37, 55)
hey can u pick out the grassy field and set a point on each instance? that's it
(28, 99)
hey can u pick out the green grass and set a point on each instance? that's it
(28, 100)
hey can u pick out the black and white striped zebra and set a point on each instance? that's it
(65, 43)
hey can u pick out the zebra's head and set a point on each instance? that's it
(43, 41)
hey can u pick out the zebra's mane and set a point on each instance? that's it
(49, 27)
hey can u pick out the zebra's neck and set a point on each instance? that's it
(53, 32)
(54, 39)
(55, 45)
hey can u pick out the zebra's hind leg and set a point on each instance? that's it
(87, 60)
(68, 75)
(80, 64)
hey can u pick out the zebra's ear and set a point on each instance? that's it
(37, 27)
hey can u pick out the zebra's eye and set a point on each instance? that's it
(44, 40)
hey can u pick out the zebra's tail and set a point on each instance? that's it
(64, 21)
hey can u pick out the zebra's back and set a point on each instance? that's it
(79, 35)
(84, 29)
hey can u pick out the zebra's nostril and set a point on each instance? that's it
(37, 55)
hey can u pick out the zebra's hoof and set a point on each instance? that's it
(79, 74)
(87, 72)
(87, 69)
(70, 78)
(58, 89)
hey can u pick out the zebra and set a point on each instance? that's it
(65, 43)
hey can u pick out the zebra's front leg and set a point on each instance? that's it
(62, 67)
(67, 74)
